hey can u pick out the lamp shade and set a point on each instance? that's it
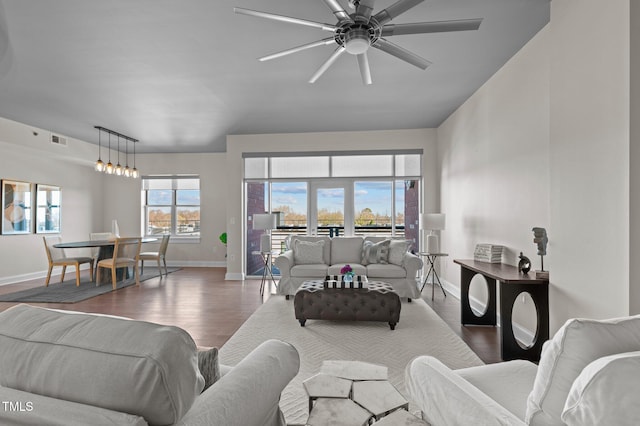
(264, 221)
(433, 221)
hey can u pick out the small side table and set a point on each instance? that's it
(267, 271)
(435, 279)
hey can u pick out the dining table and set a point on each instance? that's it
(105, 251)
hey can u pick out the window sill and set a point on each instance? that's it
(177, 240)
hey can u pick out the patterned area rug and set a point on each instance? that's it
(68, 292)
(419, 332)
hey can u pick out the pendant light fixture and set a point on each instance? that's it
(99, 166)
(109, 168)
(119, 169)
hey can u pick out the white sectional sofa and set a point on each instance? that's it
(66, 368)
(313, 258)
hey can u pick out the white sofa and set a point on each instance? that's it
(68, 368)
(313, 258)
(589, 374)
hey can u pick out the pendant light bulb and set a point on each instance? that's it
(119, 169)
(108, 169)
(99, 166)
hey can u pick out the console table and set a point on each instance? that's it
(512, 284)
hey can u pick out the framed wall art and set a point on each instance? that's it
(16, 207)
(48, 205)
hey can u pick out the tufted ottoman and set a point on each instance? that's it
(376, 302)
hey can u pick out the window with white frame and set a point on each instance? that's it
(171, 205)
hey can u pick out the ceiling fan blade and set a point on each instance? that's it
(364, 10)
(431, 27)
(396, 9)
(325, 27)
(323, 42)
(365, 71)
(334, 56)
(401, 53)
(338, 10)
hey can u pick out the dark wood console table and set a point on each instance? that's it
(512, 284)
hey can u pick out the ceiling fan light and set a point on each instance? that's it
(357, 41)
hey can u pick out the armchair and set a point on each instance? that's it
(588, 375)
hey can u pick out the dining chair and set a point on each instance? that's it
(99, 236)
(157, 256)
(57, 257)
(126, 252)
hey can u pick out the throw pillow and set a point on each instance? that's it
(209, 366)
(375, 252)
(572, 348)
(308, 253)
(397, 250)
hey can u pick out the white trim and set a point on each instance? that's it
(234, 276)
(520, 332)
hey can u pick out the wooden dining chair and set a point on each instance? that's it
(99, 236)
(126, 252)
(57, 257)
(157, 256)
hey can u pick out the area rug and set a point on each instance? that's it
(420, 332)
(68, 292)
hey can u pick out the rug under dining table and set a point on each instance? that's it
(68, 292)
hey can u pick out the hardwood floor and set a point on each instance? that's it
(212, 309)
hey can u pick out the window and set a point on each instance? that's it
(171, 205)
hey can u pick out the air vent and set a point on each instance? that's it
(58, 140)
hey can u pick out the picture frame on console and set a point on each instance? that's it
(16, 207)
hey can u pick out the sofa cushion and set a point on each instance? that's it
(606, 392)
(375, 252)
(346, 250)
(574, 346)
(397, 250)
(326, 254)
(508, 383)
(136, 367)
(309, 271)
(308, 253)
(376, 270)
(357, 269)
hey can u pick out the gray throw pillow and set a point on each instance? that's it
(308, 253)
(375, 252)
(209, 366)
(397, 249)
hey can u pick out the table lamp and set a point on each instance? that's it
(433, 222)
(265, 222)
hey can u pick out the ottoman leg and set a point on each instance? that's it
(392, 325)
(302, 321)
(286, 297)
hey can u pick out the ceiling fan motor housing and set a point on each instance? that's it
(356, 37)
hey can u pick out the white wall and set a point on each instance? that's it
(634, 155)
(589, 139)
(28, 157)
(91, 200)
(211, 167)
(494, 158)
(330, 141)
(546, 142)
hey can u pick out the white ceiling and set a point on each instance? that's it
(182, 74)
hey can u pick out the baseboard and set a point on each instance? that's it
(520, 332)
(234, 276)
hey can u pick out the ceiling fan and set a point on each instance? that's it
(355, 33)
